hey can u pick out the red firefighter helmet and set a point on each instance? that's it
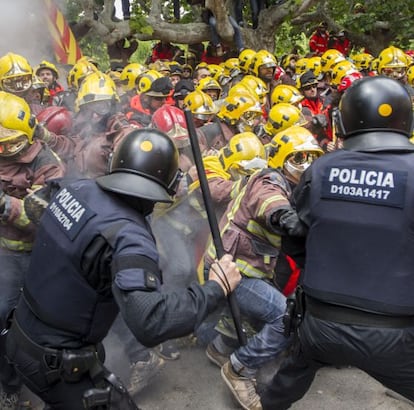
(171, 120)
(56, 119)
(279, 71)
(348, 79)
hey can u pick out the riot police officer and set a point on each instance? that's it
(104, 260)
(357, 204)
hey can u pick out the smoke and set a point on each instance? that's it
(24, 30)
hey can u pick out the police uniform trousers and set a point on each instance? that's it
(384, 350)
(39, 376)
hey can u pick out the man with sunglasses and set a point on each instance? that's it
(314, 110)
(145, 104)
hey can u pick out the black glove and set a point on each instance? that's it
(287, 222)
(320, 120)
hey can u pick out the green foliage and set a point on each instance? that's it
(139, 24)
(93, 47)
(394, 13)
(288, 38)
(143, 51)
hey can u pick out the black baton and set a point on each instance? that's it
(212, 220)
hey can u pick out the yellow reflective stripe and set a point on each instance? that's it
(236, 188)
(270, 200)
(256, 229)
(22, 221)
(211, 251)
(15, 245)
(248, 270)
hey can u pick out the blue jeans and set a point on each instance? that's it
(260, 301)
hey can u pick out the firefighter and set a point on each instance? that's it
(26, 163)
(154, 90)
(252, 228)
(105, 260)
(49, 74)
(319, 39)
(97, 126)
(238, 113)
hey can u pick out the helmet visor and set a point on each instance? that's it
(250, 119)
(11, 147)
(297, 163)
(16, 85)
(394, 72)
(252, 165)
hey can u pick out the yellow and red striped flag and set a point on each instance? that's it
(65, 46)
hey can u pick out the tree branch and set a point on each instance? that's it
(156, 10)
(100, 21)
(219, 10)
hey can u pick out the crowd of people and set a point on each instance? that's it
(100, 200)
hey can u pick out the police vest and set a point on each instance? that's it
(68, 291)
(359, 250)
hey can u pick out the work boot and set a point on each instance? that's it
(9, 401)
(143, 373)
(243, 388)
(219, 359)
(168, 350)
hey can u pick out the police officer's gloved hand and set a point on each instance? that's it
(288, 222)
(320, 120)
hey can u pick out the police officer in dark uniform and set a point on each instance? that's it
(358, 278)
(94, 255)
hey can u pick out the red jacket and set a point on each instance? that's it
(342, 45)
(318, 42)
(55, 89)
(163, 52)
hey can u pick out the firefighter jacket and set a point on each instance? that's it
(30, 170)
(318, 42)
(222, 187)
(319, 120)
(138, 114)
(246, 228)
(54, 90)
(358, 204)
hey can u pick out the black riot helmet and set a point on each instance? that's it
(144, 165)
(375, 104)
